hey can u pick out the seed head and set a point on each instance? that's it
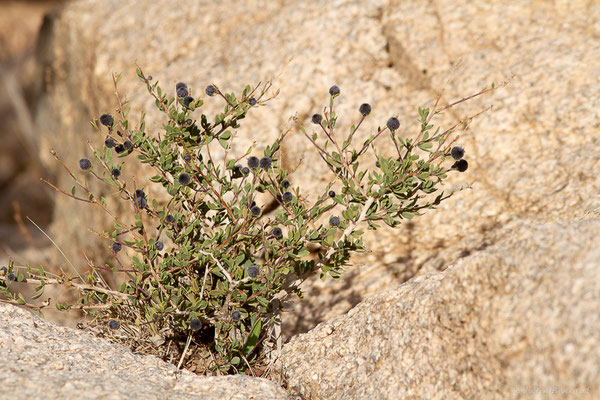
(159, 245)
(186, 157)
(109, 143)
(187, 100)
(184, 179)
(170, 218)
(285, 184)
(195, 324)
(182, 92)
(107, 120)
(265, 163)
(11, 277)
(334, 221)
(210, 90)
(365, 109)
(180, 85)
(287, 197)
(457, 152)
(252, 271)
(334, 90)
(461, 165)
(116, 247)
(116, 172)
(393, 124)
(139, 193)
(252, 101)
(84, 164)
(236, 316)
(317, 119)
(245, 170)
(119, 148)
(255, 211)
(331, 194)
(127, 145)
(253, 162)
(114, 324)
(277, 233)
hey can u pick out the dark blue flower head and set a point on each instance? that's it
(84, 164)
(253, 162)
(210, 90)
(457, 152)
(195, 324)
(365, 109)
(393, 124)
(107, 120)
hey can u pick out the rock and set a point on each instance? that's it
(532, 158)
(518, 318)
(44, 361)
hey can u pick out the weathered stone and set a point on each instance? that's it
(518, 318)
(43, 361)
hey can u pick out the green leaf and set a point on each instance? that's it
(253, 337)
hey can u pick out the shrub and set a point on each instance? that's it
(227, 268)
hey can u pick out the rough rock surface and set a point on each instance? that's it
(40, 360)
(517, 320)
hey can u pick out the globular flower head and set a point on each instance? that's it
(187, 100)
(188, 121)
(11, 277)
(4, 270)
(334, 221)
(393, 124)
(84, 164)
(377, 164)
(255, 211)
(109, 143)
(119, 148)
(277, 233)
(365, 109)
(139, 193)
(252, 101)
(115, 172)
(195, 324)
(457, 152)
(331, 194)
(183, 179)
(334, 90)
(236, 316)
(182, 92)
(253, 162)
(317, 119)
(107, 120)
(180, 85)
(186, 157)
(159, 245)
(245, 170)
(116, 247)
(287, 197)
(461, 165)
(170, 218)
(265, 163)
(210, 90)
(114, 324)
(285, 184)
(252, 271)
(127, 145)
